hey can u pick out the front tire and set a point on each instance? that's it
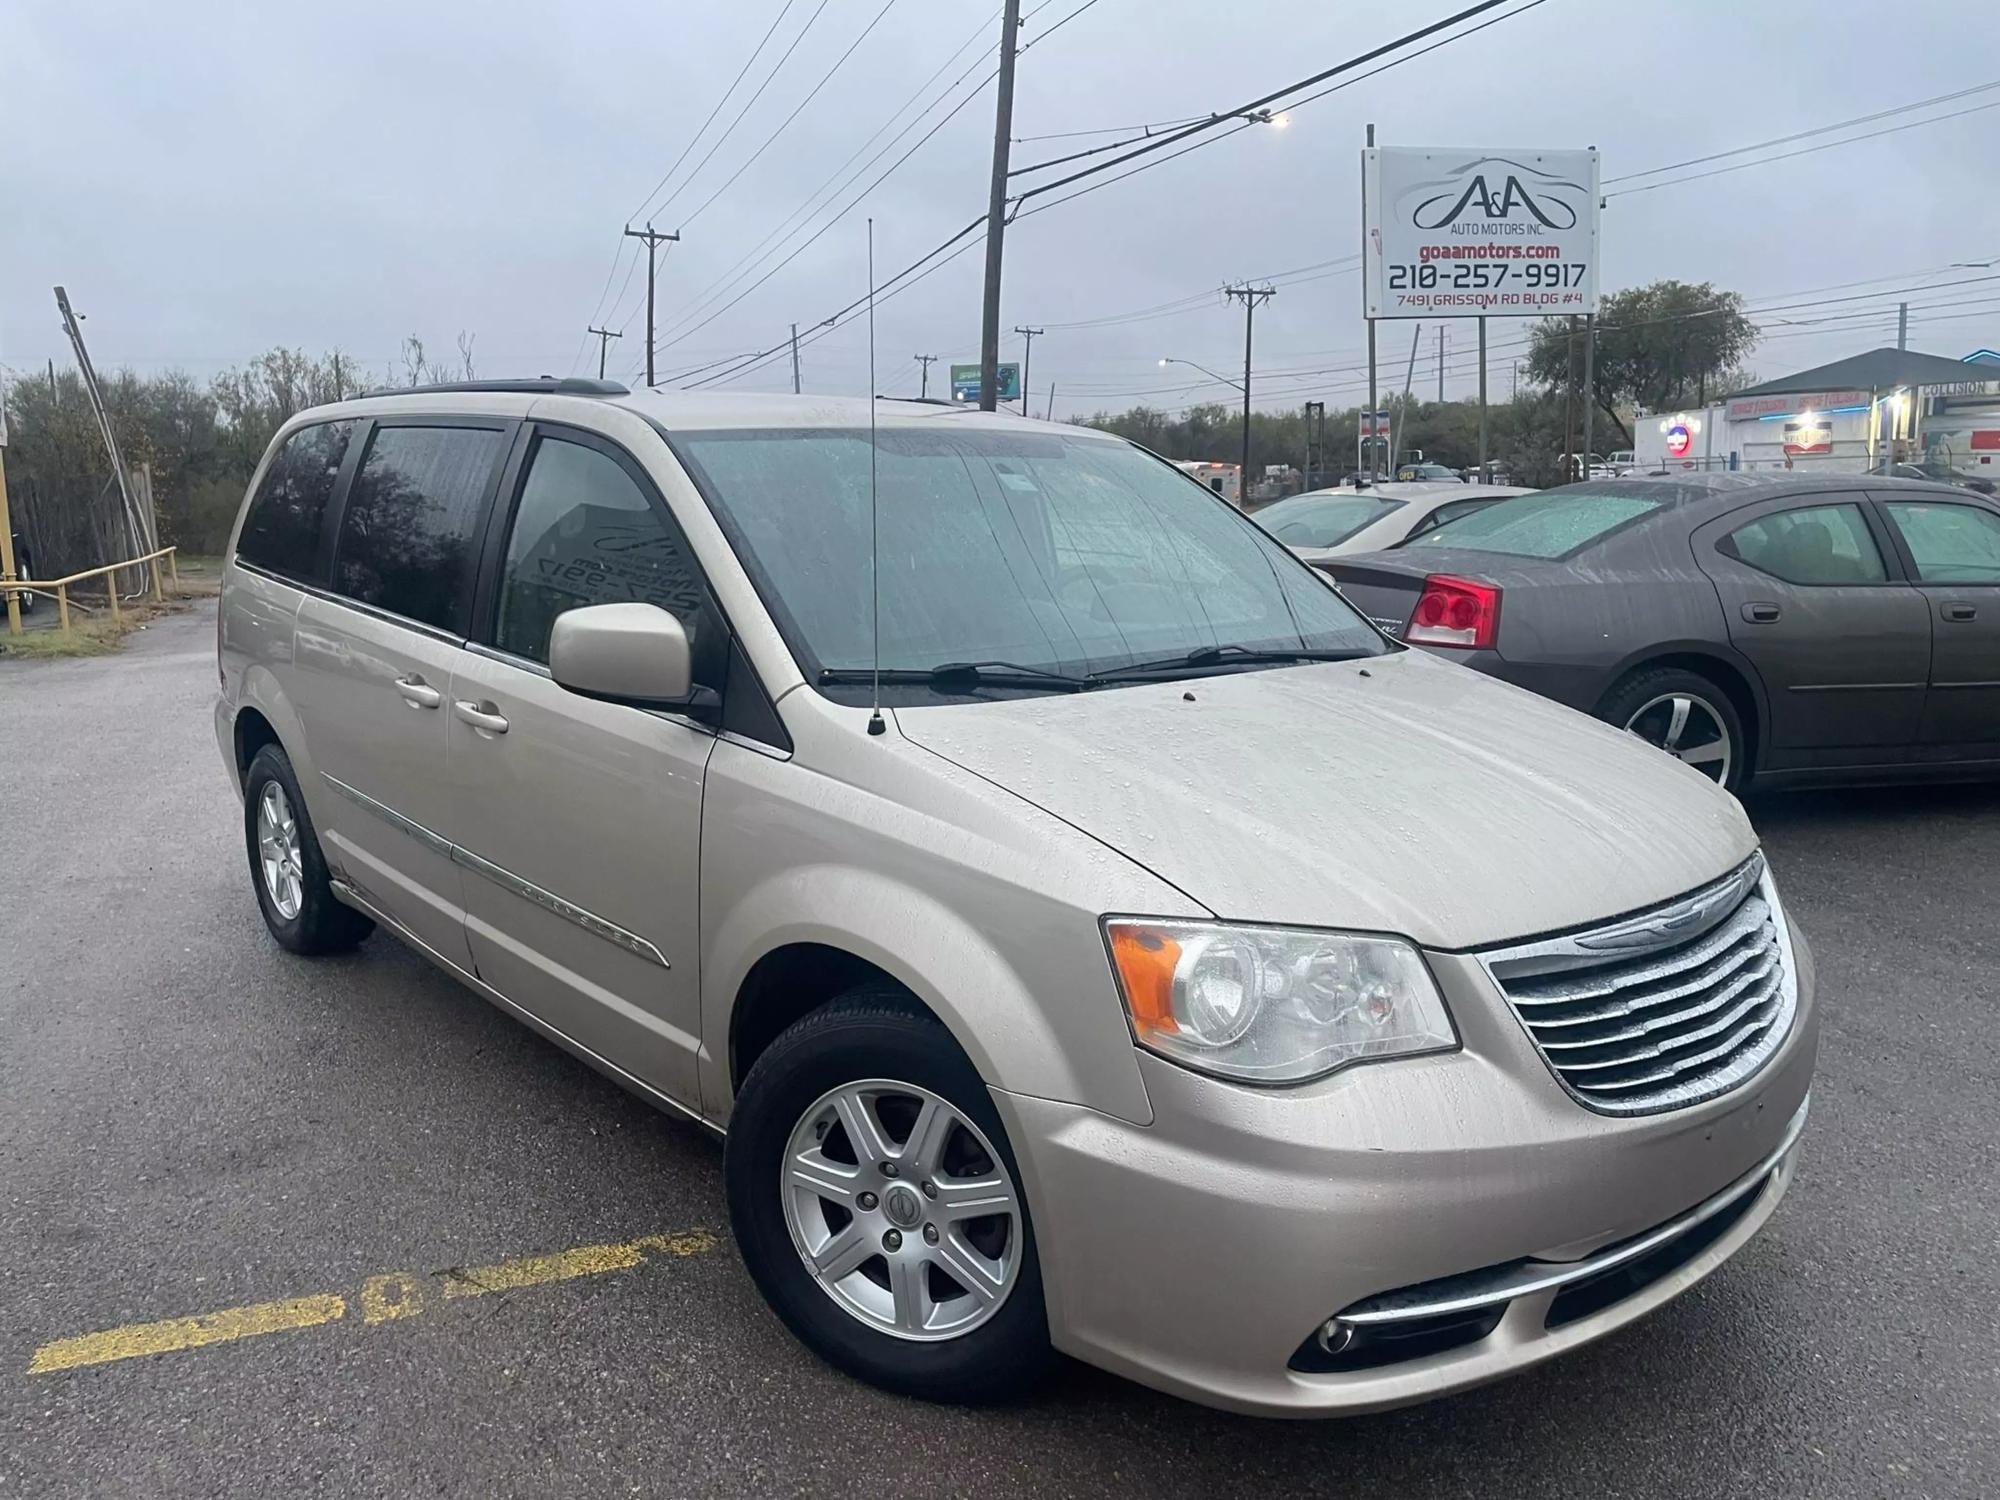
(1687, 715)
(878, 1206)
(287, 869)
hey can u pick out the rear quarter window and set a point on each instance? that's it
(282, 529)
(1545, 526)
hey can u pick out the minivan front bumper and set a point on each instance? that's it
(1212, 1253)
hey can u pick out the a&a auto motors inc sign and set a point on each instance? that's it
(1457, 234)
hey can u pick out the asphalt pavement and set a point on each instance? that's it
(499, 1275)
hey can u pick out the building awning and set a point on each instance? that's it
(1877, 370)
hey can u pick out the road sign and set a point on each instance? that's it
(965, 382)
(1466, 233)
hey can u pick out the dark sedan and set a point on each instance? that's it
(1767, 629)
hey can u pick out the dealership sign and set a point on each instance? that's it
(1464, 233)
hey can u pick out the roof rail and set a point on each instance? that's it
(540, 385)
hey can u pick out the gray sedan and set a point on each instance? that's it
(1766, 629)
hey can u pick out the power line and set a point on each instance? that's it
(1786, 140)
(825, 79)
(794, 220)
(852, 203)
(1070, 135)
(743, 113)
(1765, 161)
(741, 73)
(1275, 96)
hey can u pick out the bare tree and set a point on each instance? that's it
(465, 353)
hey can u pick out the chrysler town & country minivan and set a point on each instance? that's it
(1090, 932)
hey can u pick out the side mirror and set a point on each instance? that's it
(623, 653)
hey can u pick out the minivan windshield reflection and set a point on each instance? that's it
(1026, 553)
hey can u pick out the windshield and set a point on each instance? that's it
(1553, 524)
(1322, 520)
(1045, 551)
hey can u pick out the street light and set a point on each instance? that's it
(1235, 385)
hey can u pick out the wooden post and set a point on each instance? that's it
(62, 607)
(111, 593)
(174, 567)
(153, 564)
(7, 539)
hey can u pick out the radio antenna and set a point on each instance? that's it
(875, 725)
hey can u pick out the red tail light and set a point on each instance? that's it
(1456, 612)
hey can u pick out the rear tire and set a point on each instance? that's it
(287, 870)
(873, 1047)
(1686, 714)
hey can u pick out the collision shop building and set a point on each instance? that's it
(1887, 405)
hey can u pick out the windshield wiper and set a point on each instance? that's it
(1210, 656)
(963, 676)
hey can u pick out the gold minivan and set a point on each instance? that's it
(1090, 932)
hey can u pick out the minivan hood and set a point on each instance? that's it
(1395, 794)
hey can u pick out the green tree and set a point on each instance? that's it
(1659, 346)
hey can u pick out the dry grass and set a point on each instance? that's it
(95, 634)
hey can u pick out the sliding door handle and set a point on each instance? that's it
(479, 717)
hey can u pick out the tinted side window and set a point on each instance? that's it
(1950, 543)
(407, 536)
(1818, 544)
(585, 533)
(281, 531)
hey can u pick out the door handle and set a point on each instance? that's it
(1954, 611)
(418, 693)
(1761, 612)
(479, 718)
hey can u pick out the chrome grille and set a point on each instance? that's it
(1661, 1010)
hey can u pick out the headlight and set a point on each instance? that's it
(1274, 1004)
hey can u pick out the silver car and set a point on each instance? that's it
(916, 796)
(1323, 524)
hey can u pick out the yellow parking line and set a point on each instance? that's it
(383, 1298)
(567, 1265)
(173, 1334)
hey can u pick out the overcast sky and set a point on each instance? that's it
(209, 180)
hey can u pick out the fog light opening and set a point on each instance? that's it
(1335, 1335)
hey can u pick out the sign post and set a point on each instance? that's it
(1474, 233)
(7, 574)
(965, 382)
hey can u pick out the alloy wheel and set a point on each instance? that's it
(278, 855)
(1689, 728)
(901, 1210)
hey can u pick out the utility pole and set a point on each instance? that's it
(1589, 391)
(7, 574)
(1570, 471)
(1049, 415)
(996, 213)
(1902, 325)
(139, 526)
(1251, 296)
(1440, 364)
(1030, 334)
(925, 360)
(1369, 467)
(1485, 476)
(604, 338)
(654, 239)
(795, 359)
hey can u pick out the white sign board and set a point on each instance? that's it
(1471, 233)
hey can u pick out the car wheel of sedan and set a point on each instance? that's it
(879, 1208)
(1686, 715)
